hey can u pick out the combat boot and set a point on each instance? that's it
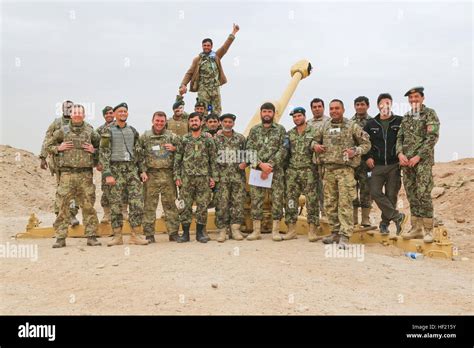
(92, 241)
(60, 243)
(276, 237)
(365, 222)
(291, 234)
(136, 239)
(236, 235)
(343, 242)
(173, 236)
(256, 234)
(428, 225)
(117, 239)
(200, 235)
(125, 211)
(312, 236)
(150, 239)
(204, 234)
(355, 214)
(185, 237)
(416, 230)
(333, 238)
(106, 217)
(400, 222)
(73, 221)
(222, 235)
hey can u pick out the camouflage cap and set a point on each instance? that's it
(106, 109)
(121, 105)
(298, 110)
(178, 104)
(231, 116)
(418, 89)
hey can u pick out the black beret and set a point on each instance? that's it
(199, 103)
(106, 109)
(298, 109)
(232, 116)
(178, 104)
(418, 89)
(121, 105)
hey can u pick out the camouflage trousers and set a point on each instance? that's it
(230, 199)
(127, 182)
(319, 189)
(160, 183)
(81, 188)
(105, 199)
(418, 182)
(277, 197)
(362, 198)
(73, 207)
(195, 189)
(339, 192)
(301, 182)
(211, 96)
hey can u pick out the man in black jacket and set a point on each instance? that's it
(382, 160)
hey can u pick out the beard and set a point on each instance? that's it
(267, 119)
(227, 129)
(195, 127)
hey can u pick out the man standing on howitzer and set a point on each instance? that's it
(195, 174)
(269, 142)
(206, 74)
(418, 135)
(340, 144)
(300, 176)
(363, 199)
(158, 148)
(230, 193)
(120, 158)
(76, 148)
(382, 161)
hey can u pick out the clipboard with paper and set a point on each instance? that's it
(255, 179)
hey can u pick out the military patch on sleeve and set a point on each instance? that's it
(432, 128)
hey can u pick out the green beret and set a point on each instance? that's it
(199, 103)
(298, 109)
(178, 104)
(121, 105)
(418, 89)
(232, 116)
(106, 109)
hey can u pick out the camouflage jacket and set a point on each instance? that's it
(76, 157)
(178, 127)
(361, 121)
(103, 127)
(57, 124)
(300, 153)
(319, 122)
(269, 144)
(154, 153)
(230, 153)
(419, 134)
(338, 136)
(195, 157)
(105, 151)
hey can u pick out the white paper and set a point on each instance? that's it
(156, 148)
(256, 180)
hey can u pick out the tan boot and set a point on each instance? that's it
(355, 213)
(125, 211)
(136, 239)
(312, 236)
(256, 234)
(276, 237)
(365, 217)
(428, 225)
(117, 238)
(222, 235)
(106, 217)
(416, 230)
(236, 235)
(291, 234)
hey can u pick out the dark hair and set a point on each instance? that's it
(195, 114)
(338, 101)
(361, 99)
(383, 96)
(212, 117)
(316, 100)
(267, 106)
(158, 114)
(207, 40)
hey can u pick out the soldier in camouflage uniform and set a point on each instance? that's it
(58, 123)
(416, 139)
(363, 199)
(158, 147)
(76, 150)
(121, 160)
(178, 123)
(212, 125)
(300, 176)
(206, 74)
(195, 173)
(340, 144)
(230, 195)
(269, 142)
